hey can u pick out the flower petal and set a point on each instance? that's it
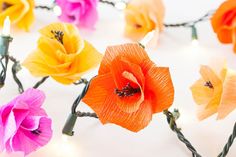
(159, 88)
(228, 100)
(201, 94)
(134, 53)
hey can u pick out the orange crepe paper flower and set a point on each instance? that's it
(21, 12)
(143, 16)
(224, 22)
(129, 88)
(215, 93)
(62, 54)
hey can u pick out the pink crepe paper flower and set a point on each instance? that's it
(24, 125)
(79, 12)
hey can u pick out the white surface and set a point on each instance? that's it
(174, 50)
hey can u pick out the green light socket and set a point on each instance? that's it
(4, 44)
(194, 33)
(70, 124)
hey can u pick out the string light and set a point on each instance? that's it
(194, 36)
(120, 5)
(147, 39)
(57, 10)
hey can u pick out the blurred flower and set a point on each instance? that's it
(224, 22)
(24, 125)
(79, 12)
(129, 88)
(21, 12)
(62, 54)
(215, 93)
(143, 16)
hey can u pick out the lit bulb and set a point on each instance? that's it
(6, 27)
(57, 10)
(195, 42)
(120, 5)
(147, 38)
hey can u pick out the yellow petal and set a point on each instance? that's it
(201, 94)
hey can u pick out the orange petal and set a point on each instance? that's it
(159, 88)
(219, 16)
(134, 53)
(228, 101)
(201, 94)
(123, 73)
(100, 88)
(204, 113)
(234, 38)
(135, 121)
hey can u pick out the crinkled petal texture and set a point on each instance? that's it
(129, 88)
(143, 16)
(224, 22)
(65, 58)
(79, 12)
(215, 93)
(25, 126)
(21, 12)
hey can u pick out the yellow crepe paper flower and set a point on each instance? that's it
(62, 54)
(143, 16)
(21, 12)
(215, 93)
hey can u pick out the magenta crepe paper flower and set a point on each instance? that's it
(79, 12)
(24, 125)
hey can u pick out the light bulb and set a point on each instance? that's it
(120, 5)
(6, 27)
(57, 10)
(147, 38)
(195, 42)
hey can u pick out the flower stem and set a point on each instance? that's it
(40, 82)
(229, 143)
(171, 119)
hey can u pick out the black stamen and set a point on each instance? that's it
(36, 132)
(209, 84)
(5, 5)
(128, 90)
(58, 35)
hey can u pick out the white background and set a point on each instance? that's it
(174, 50)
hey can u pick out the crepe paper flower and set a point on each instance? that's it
(129, 88)
(215, 92)
(62, 54)
(79, 12)
(224, 22)
(24, 125)
(143, 16)
(21, 12)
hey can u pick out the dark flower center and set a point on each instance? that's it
(137, 26)
(5, 5)
(36, 132)
(58, 35)
(209, 84)
(127, 91)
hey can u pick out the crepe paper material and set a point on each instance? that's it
(79, 12)
(224, 22)
(129, 88)
(62, 54)
(24, 124)
(143, 16)
(215, 92)
(21, 12)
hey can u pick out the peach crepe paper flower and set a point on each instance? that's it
(143, 16)
(62, 54)
(224, 22)
(129, 88)
(21, 12)
(215, 92)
